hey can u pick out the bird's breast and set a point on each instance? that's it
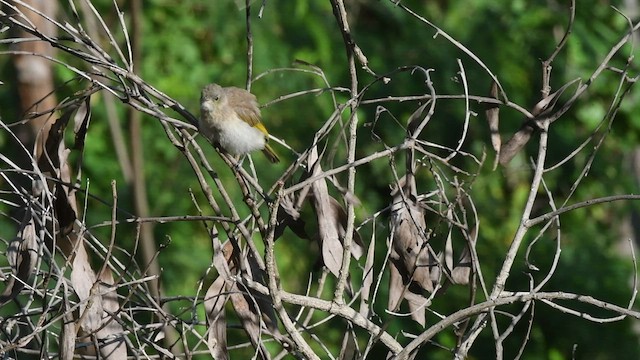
(237, 137)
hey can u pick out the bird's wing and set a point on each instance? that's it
(246, 105)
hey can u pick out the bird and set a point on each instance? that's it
(230, 117)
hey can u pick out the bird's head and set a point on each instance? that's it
(212, 98)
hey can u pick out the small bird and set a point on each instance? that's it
(230, 117)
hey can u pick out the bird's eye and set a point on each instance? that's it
(216, 98)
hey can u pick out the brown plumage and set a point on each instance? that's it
(230, 116)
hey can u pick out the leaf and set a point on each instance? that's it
(111, 333)
(349, 345)
(462, 272)
(529, 126)
(332, 221)
(367, 279)
(247, 312)
(396, 286)
(328, 219)
(408, 228)
(65, 212)
(222, 254)
(97, 301)
(417, 306)
(416, 119)
(243, 302)
(357, 247)
(67, 342)
(265, 303)
(83, 279)
(411, 255)
(493, 118)
(81, 122)
(398, 291)
(214, 302)
(50, 161)
(448, 251)
(289, 216)
(22, 255)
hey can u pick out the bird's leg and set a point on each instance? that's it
(239, 160)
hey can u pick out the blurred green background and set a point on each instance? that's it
(187, 44)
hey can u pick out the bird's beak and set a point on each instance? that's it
(207, 105)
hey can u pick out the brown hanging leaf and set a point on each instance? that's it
(327, 217)
(243, 303)
(529, 126)
(410, 254)
(493, 118)
(396, 286)
(81, 122)
(52, 160)
(65, 212)
(83, 279)
(416, 119)
(462, 272)
(99, 305)
(417, 306)
(22, 255)
(249, 317)
(448, 251)
(214, 301)
(357, 247)
(49, 161)
(409, 243)
(289, 216)
(349, 346)
(67, 342)
(111, 334)
(332, 221)
(399, 290)
(265, 304)
(367, 280)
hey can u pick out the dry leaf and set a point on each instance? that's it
(247, 313)
(408, 228)
(415, 120)
(22, 255)
(529, 126)
(289, 216)
(83, 279)
(81, 122)
(462, 272)
(265, 303)
(68, 334)
(357, 247)
(111, 334)
(243, 304)
(410, 254)
(417, 306)
(367, 280)
(332, 221)
(396, 286)
(49, 161)
(349, 346)
(214, 302)
(448, 251)
(493, 118)
(327, 219)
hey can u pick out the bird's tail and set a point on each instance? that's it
(270, 154)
